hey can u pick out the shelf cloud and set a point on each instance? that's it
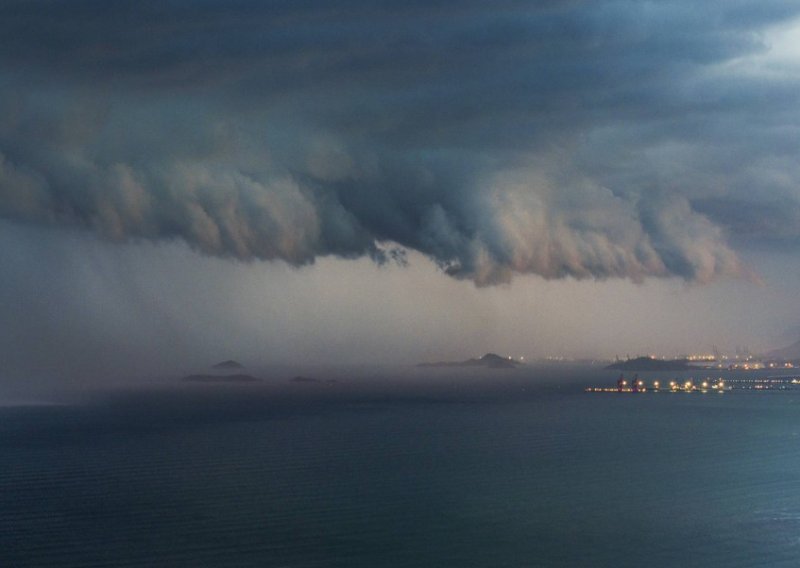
(565, 139)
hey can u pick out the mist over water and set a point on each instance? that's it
(415, 468)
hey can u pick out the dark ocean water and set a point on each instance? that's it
(509, 470)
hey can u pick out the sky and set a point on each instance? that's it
(352, 181)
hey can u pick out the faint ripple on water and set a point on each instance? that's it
(565, 481)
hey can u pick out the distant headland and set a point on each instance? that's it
(489, 361)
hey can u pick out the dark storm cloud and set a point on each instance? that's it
(562, 138)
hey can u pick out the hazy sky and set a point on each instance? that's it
(390, 181)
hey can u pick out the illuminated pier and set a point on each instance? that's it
(636, 385)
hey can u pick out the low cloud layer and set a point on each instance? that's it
(583, 139)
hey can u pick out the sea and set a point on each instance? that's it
(414, 468)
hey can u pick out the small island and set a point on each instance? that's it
(488, 361)
(229, 364)
(650, 364)
(302, 379)
(239, 378)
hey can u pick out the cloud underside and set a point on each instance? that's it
(565, 139)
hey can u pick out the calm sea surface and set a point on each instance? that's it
(512, 469)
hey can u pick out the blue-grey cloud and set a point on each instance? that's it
(562, 138)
